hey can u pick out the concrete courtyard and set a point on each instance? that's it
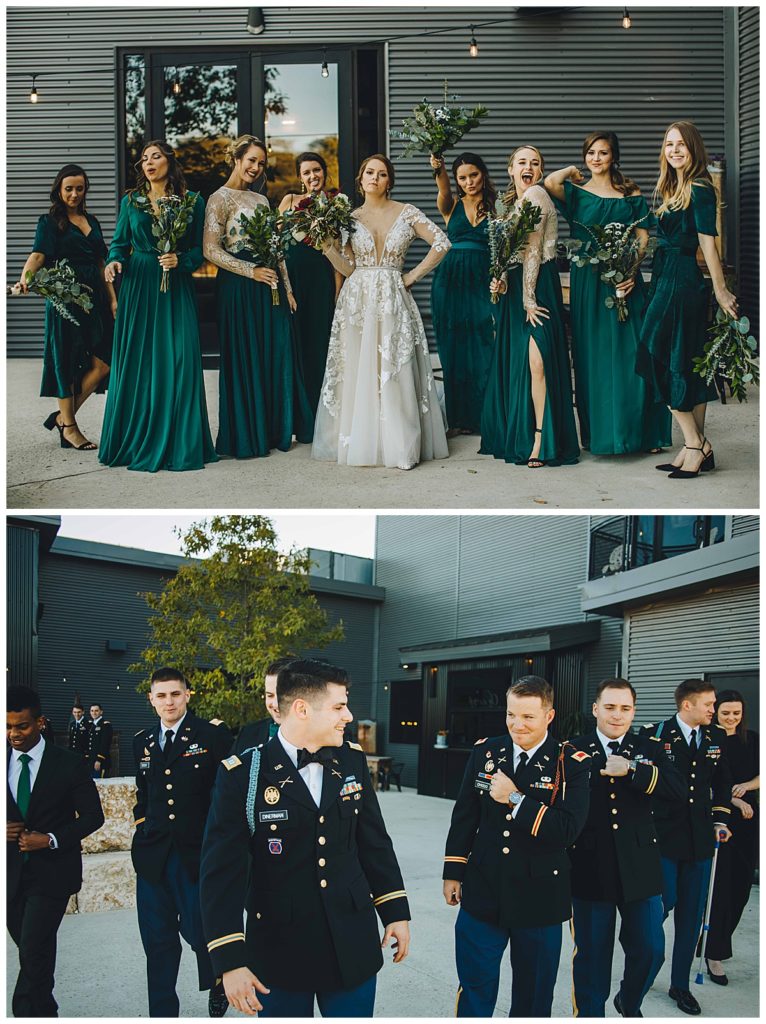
(42, 475)
(101, 968)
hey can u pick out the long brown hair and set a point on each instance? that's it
(384, 160)
(623, 185)
(733, 697)
(489, 190)
(509, 197)
(674, 192)
(58, 210)
(175, 183)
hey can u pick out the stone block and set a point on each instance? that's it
(117, 799)
(108, 883)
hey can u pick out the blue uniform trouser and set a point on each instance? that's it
(684, 890)
(479, 949)
(642, 939)
(342, 1002)
(165, 911)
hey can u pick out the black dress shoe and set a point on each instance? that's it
(718, 979)
(619, 1009)
(685, 1000)
(217, 1001)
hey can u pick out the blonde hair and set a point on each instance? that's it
(237, 149)
(509, 197)
(673, 190)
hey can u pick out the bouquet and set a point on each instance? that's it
(728, 356)
(507, 235)
(169, 222)
(433, 129)
(614, 250)
(61, 288)
(265, 234)
(322, 216)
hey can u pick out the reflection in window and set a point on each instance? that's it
(134, 127)
(301, 113)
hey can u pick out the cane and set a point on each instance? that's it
(699, 980)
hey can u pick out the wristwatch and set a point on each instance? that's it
(515, 798)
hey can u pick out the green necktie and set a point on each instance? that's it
(24, 791)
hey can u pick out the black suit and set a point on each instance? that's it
(78, 736)
(254, 734)
(64, 802)
(100, 746)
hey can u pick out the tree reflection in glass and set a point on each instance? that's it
(134, 126)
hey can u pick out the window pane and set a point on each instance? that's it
(679, 534)
(134, 125)
(301, 113)
(643, 553)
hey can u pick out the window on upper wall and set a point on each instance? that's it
(629, 542)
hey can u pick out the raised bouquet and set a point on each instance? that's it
(507, 234)
(728, 356)
(434, 129)
(59, 285)
(170, 222)
(616, 253)
(265, 234)
(322, 216)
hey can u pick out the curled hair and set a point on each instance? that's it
(509, 198)
(733, 697)
(533, 686)
(237, 149)
(489, 190)
(307, 679)
(310, 157)
(384, 160)
(175, 183)
(623, 185)
(58, 210)
(674, 190)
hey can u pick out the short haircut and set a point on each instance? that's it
(23, 698)
(168, 674)
(691, 688)
(275, 666)
(307, 680)
(77, 704)
(533, 686)
(617, 683)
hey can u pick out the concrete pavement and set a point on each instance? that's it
(41, 475)
(101, 969)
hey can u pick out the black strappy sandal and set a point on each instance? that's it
(708, 463)
(50, 421)
(86, 446)
(535, 463)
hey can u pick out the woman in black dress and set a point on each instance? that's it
(737, 859)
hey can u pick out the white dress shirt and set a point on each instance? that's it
(312, 774)
(687, 731)
(606, 740)
(517, 752)
(165, 729)
(14, 771)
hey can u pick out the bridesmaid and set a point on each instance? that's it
(156, 415)
(527, 416)
(676, 320)
(460, 301)
(616, 412)
(314, 281)
(75, 359)
(263, 401)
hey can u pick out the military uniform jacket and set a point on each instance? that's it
(317, 874)
(515, 869)
(254, 734)
(99, 744)
(617, 856)
(685, 826)
(174, 795)
(78, 737)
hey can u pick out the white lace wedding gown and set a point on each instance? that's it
(378, 404)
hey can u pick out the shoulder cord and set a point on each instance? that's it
(658, 731)
(255, 766)
(561, 775)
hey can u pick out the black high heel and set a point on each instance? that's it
(50, 422)
(719, 979)
(86, 446)
(535, 463)
(708, 463)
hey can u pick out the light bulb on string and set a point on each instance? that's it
(626, 19)
(473, 46)
(176, 87)
(33, 93)
(325, 68)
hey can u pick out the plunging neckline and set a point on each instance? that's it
(394, 222)
(81, 230)
(468, 219)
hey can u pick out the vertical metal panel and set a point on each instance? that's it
(744, 524)
(534, 72)
(22, 547)
(749, 256)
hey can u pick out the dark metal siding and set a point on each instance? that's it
(744, 524)
(535, 73)
(749, 256)
(22, 554)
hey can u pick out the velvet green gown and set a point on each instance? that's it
(156, 413)
(68, 350)
(313, 281)
(617, 412)
(463, 320)
(676, 319)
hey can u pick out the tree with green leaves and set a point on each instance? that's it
(236, 606)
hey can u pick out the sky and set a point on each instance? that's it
(351, 534)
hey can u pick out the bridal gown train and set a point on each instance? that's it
(378, 405)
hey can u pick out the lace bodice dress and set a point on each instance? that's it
(378, 403)
(222, 235)
(541, 245)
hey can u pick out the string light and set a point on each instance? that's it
(325, 68)
(626, 21)
(473, 46)
(176, 88)
(33, 93)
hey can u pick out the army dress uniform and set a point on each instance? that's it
(77, 740)
(170, 812)
(254, 734)
(685, 831)
(99, 739)
(514, 871)
(317, 875)
(616, 865)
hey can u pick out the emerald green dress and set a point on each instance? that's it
(463, 320)
(617, 412)
(313, 281)
(156, 414)
(676, 319)
(68, 350)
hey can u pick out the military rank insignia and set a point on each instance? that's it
(714, 751)
(579, 755)
(275, 846)
(271, 795)
(483, 781)
(351, 787)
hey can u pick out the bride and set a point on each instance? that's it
(378, 404)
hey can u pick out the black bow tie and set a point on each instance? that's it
(322, 756)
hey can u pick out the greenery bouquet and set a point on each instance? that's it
(320, 217)
(59, 285)
(434, 129)
(265, 234)
(728, 356)
(615, 252)
(507, 234)
(170, 223)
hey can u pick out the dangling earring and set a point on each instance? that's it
(388, 193)
(303, 186)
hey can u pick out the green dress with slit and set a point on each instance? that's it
(463, 320)
(616, 410)
(677, 316)
(156, 413)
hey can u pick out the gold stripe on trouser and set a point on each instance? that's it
(457, 998)
(576, 1012)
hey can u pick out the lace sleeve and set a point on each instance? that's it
(213, 235)
(538, 245)
(428, 231)
(342, 259)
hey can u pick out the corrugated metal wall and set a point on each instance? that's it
(744, 524)
(21, 561)
(749, 255)
(675, 640)
(546, 79)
